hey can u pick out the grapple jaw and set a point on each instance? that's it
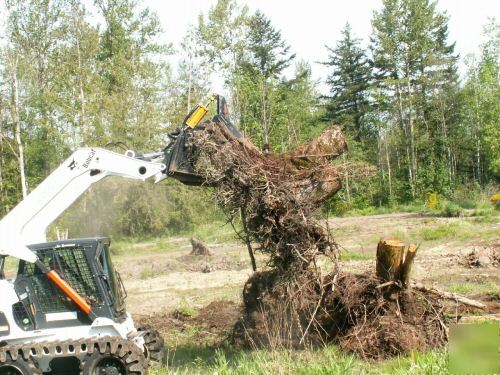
(177, 151)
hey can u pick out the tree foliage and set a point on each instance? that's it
(69, 79)
(349, 83)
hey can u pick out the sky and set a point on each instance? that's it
(310, 25)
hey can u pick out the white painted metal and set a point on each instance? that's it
(28, 221)
(99, 327)
(55, 317)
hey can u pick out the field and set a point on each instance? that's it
(195, 300)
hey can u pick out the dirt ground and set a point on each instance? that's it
(163, 282)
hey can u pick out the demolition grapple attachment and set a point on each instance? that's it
(176, 152)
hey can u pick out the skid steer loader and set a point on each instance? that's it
(64, 313)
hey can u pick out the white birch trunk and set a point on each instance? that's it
(17, 128)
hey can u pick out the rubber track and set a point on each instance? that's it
(126, 349)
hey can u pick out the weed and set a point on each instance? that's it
(461, 288)
(352, 255)
(187, 311)
(452, 210)
(323, 361)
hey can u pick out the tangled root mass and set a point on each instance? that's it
(292, 304)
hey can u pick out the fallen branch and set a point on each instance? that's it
(383, 285)
(453, 296)
(480, 318)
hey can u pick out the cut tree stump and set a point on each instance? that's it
(199, 248)
(407, 264)
(394, 268)
(390, 254)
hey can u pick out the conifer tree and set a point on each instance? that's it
(349, 84)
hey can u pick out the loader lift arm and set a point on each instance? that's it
(27, 223)
(29, 220)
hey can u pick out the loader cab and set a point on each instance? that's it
(85, 264)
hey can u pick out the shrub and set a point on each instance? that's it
(432, 200)
(452, 210)
(495, 199)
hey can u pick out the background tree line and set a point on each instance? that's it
(67, 80)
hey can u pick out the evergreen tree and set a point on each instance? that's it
(264, 60)
(267, 54)
(349, 84)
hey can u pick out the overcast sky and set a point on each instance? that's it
(308, 25)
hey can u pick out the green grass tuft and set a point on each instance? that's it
(191, 359)
(352, 255)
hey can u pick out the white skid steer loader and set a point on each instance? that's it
(64, 313)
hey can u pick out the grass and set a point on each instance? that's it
(214, 232)
(147, 273)
(352, 255)
(478, 205)
(192, 359)
(439, 232)
(186, 310)
(488, 287)
(462, 288)
(430, 363)
(382, 210)
(486, 219)
(462, 229)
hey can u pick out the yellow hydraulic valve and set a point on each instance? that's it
(197, 114)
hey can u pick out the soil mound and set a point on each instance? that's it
(482, 257)
(214, 322)
(219, 315)
(375, 322)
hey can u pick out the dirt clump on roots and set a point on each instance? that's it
(292, 304)
(276, 196)
(379, 322)
(198, 247)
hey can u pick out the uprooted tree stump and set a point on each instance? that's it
(199, 248)
(292, 303)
